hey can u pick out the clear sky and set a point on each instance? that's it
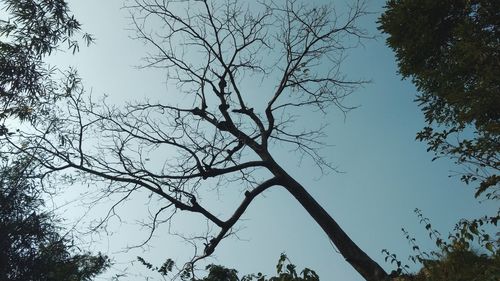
(385, 175)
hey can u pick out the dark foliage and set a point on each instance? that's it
(469, 253)
(451, 51)
(30, 31)
(31, 248)
(285, 271)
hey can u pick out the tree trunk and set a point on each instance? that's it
(359, 260)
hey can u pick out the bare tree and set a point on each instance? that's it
(221, 133)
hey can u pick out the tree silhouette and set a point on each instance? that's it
(31, 245)
(222, 132)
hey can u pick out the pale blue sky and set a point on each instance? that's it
(386, 173)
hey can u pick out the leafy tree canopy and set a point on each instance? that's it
(451, 51)
(29, 31)
(30, 244)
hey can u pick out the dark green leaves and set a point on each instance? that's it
(30, 244)
(450, 50)
(30, 31)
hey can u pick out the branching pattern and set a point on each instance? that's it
(220, 133)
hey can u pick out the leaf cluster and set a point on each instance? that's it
(285, 271)
(450, 50)
(455, 259)
(30, 244)
(30, 30)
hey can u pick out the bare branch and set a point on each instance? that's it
(243, 73)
